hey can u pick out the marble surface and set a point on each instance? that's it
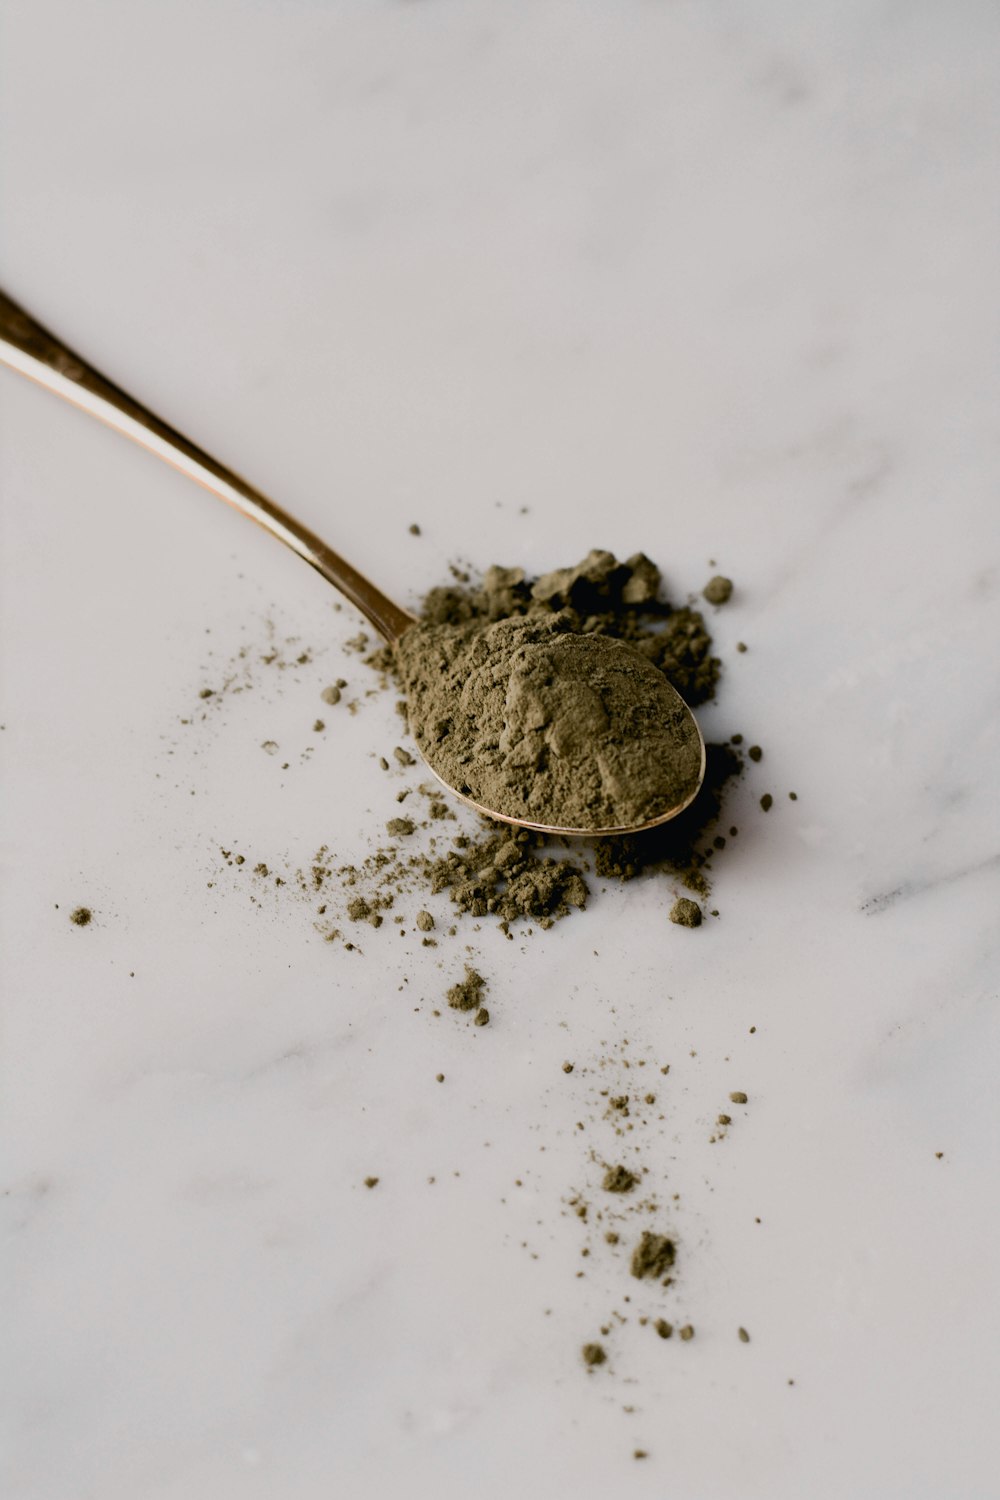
(716, 281)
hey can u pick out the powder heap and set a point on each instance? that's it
(599, 596)
(535, 718)
(516, 873)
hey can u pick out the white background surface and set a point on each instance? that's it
(709, 280)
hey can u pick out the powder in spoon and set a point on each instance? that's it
(535, 719)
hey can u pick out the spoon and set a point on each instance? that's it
(30, 349)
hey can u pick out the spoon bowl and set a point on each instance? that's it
(27, 347)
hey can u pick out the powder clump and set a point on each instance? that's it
(653, 1256)
(468, 993)
(685, 913)
(619, 1180)
(718, 590)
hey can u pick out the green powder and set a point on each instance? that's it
(517, 874)
(685, 913)
(81, 917)
(468, 993)
(619, 1180)
(718, 590)
(593, 1354)
(653, 1256)
(543, 718)
(532, 719)
(503, 873)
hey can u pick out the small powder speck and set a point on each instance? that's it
(767, 801)
(593, 1354)
(82, 917)
(663, 1328)
(687, 1332)
(738, 1097)
(755, 752)
(400, 827)
(371, 1182)
(718, 590)
(744, 1337)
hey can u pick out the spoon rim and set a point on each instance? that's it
(554, 831)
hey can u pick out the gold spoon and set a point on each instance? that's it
(29, 348)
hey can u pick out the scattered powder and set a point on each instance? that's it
(511, 632)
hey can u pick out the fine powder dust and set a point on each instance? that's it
(519, 683)
(534, 719)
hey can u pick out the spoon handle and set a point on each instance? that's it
(27, 347)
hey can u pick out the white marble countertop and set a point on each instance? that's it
(713, 281)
